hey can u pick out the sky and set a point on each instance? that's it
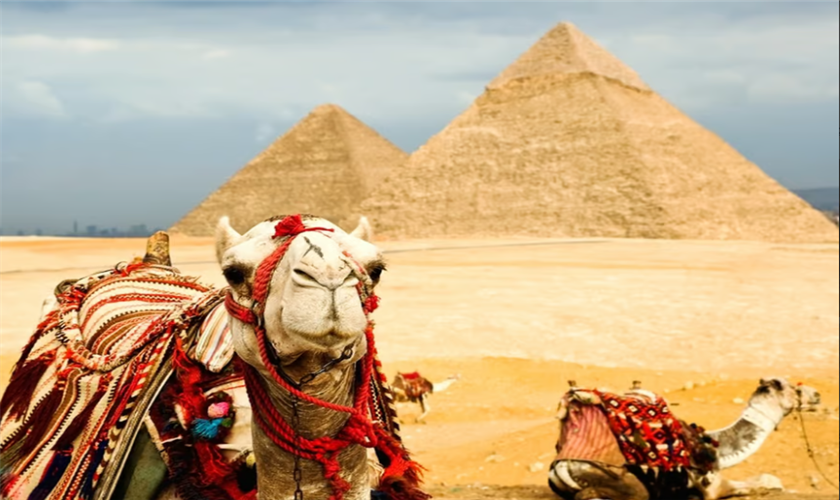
(125, 113)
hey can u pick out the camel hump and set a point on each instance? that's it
(157, 249)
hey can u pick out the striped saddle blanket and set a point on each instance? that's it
(90, 372)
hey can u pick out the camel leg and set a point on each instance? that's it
(425, 408)
(580, 480)
(721, 487)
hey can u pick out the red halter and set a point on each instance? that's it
(360, 428)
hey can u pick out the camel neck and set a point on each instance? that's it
(275, 466)
(742, 439)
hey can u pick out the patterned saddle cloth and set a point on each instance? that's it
(89, 373)
(416, 386)
(648, 434)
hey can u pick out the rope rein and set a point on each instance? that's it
(810, 450)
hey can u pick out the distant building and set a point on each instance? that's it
(91, 230)
(138, 230)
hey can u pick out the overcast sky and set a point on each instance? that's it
(126, 113)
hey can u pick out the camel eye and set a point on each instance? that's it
(375, 273)
(234, 275)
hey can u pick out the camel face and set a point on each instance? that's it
(777, 392)
(809, 398)
(313, 304)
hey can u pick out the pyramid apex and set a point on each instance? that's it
(564, 50)
(566, 25)
(328, 108)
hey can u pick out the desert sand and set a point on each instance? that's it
(518, 318)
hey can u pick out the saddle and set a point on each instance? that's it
(416, 386)
(89, 373)
(647, 433)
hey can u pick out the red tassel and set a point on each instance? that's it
(22, 385)
(213, 466)
(189, 375)
(289, 226)
(50, 322)
(398, 488)
(83, 418)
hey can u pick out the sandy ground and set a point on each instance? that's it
(536, 493)
(517, 319)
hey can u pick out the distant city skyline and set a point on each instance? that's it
(119, 114)
(87, 231)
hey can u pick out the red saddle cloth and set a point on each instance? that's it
(647, 432)
(416, 386)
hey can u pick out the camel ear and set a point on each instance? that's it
(363, 231)
(225, 237)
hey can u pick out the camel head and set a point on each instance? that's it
(777, 392)
(809, 398)
(312, 310)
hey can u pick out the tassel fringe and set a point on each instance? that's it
(40, 420)
(83, 418)
(398, 488)
(23, 383)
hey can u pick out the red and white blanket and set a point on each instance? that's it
(88, 375)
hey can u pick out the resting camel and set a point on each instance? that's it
(576, 475)
(304, 390)
(414, 388)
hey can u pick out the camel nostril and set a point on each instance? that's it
(306, 276)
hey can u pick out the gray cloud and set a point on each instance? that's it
(203, 86)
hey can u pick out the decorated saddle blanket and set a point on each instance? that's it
(640, 422)
(88, 375)
(416, 386)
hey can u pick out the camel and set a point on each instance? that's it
(315, 324)
(414, 388)
(299, 296)
(610, 477)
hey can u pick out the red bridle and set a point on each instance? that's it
(360, 429)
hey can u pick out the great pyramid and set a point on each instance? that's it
(570, 142)
(325, 165)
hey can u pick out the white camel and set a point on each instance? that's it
(581, 478)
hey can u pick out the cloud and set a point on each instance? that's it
(215, 54)
(418, 60)
(78, 45)
(37, 98)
